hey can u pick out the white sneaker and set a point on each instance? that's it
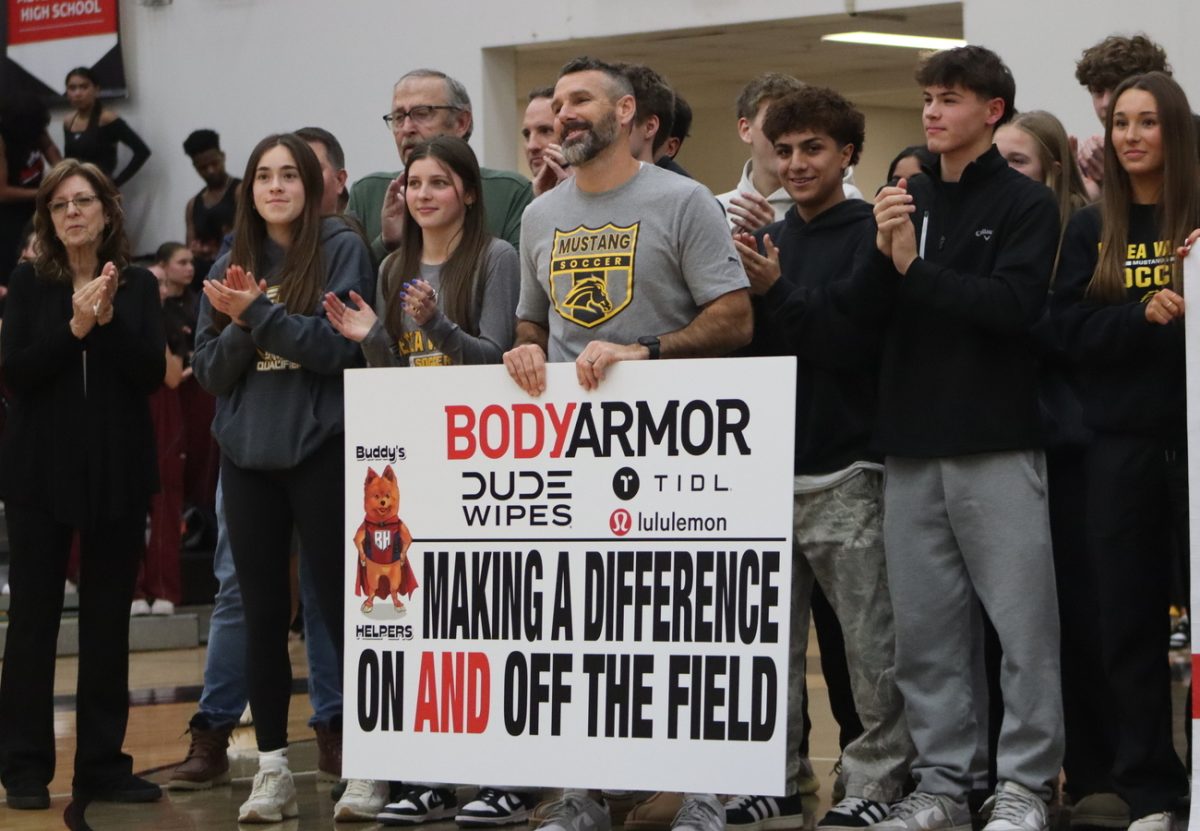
(920, 811)
(492, 807)
(361, 801)
(162, 606)
(6, 589)
(576, 812)
(700, 812)
(418, 804)
(138, 608)
(1162, 821)
(1017, 809)
(272, 799)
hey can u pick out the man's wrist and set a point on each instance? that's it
(652, 345)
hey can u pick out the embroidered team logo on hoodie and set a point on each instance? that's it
(591, 272)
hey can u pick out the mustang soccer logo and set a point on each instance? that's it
(591, 272)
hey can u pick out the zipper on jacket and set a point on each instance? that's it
(924, 235)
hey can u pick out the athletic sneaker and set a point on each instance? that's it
(853, 812)
(492, 806)
(272, 799)
(700, 812)
(361, 801)
(1016, 809)
(138, 608)
(767, 813)
(417, 804)
(920, 811)
(576, 812)
(1162, 821)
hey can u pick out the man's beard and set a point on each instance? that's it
(592, 142)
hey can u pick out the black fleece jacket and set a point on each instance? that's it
(838, 357)
(1131, 372)
(959, 374)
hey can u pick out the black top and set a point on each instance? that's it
(959, 374)
(79, 443)
(838, 357)
(1131, 372)
(667, 163)
(98, 145)
(211, 224)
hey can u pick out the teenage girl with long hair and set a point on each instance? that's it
(265, 349)
(1119, 308)
(448, 295)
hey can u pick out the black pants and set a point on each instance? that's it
(837, 674)
(108, 563)
(261, 509)
(1136, 508)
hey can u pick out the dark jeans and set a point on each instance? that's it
(1136, 500)
(261, 509)
(109, 556)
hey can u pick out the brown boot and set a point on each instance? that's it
(207, 763)
(329, 750)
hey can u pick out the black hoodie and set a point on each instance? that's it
(837, 356)
(958, 374)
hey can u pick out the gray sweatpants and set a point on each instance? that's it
(959, 527)
(838, 541)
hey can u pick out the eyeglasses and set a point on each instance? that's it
(420, 115)
(81, 203)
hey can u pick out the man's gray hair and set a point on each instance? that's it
(456, 93)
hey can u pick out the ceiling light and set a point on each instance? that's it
(887, 39)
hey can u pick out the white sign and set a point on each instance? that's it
(593, 586)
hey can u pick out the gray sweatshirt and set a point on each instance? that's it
(279, 383)
(441, 341)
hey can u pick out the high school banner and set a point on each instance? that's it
(584, 589)
(45, 39)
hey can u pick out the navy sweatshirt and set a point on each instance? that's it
(279, 383)
(838, 357)
(959, 373)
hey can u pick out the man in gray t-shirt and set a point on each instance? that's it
(622, 261)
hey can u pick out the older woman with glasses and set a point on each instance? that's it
(82, 347)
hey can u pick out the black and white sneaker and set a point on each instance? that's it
(492, 806)
(417, 804)
(852, 814)
(766, 813)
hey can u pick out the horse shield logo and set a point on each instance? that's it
(591, 272)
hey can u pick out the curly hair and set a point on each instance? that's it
(817, 108)
(1112, 60)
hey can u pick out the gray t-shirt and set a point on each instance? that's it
(640, 259)
(441, 341)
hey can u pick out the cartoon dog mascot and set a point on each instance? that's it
(382, 542)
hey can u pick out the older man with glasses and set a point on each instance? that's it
(428, 103)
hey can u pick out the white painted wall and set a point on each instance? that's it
(1041, 40)
(250, 67)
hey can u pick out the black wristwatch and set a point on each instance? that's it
(652, 343)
